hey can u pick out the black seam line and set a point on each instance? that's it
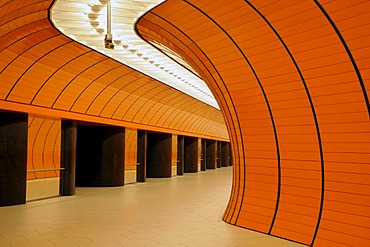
(76, 75)
(184, 124)
(313, 113)
(146, 102)
(118, 91)
(55, 72)
(163, 113)
(207, 115)
(137, 99)
(176, 116)
(43, 148)
(5, 3)
(161, 51)
(210, 117)
(237, 118)
(344, 233)
(254, 230)
(272, 123)
(30, 124)
(54, 146)
(33, 146)
(128, 95)
(22, 16)
(158, 110)
(101, 91)
(21, 27)
(363, 87)
(167, 32)
(30, 66)
(191, 51)
(28, 48)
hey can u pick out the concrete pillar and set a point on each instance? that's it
(211, 154)
(68, 158)
(13, 158)
(203, 156)
(225, 156)
(141, 155)
(190, 154)
(180, 155)
(219, 154)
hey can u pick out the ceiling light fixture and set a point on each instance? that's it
(108, 41)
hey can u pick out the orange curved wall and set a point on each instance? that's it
(43, 146)
(292, 81)
(130, 149)
(43, 72)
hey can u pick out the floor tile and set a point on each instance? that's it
(180, 211)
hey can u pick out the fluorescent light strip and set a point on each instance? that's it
(85, 21)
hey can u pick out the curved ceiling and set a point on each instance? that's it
(85, 21)
(45, 72)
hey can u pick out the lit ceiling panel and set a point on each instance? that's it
(85, 21)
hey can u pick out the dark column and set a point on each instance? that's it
(230, 156)
(13, 158)
(211, 154)
(180, 155)
(203, 156)
(68, 158)
(191, 154)
(219, 155)
(225, 148)
(141, 155)
(159, 155)
(100, 156)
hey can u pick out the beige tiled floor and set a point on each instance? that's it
(180, 211)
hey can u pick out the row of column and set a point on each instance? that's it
(94, 155)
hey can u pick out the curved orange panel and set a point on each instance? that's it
(43, 147)
(45, 72)
(130, 149)
(291, 79)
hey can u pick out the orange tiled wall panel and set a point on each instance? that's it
(292, 81)
(45, 72)
(43, 147)
(130, 149)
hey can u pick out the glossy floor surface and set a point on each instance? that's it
(180, 211)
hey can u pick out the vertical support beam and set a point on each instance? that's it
(180, 155)
(203, 156)
(230, 155)
(168, 156)
(219, 154)
(199, 154)
(68, 158)
(141, 155)
(211, 154)
(191, 154)
(13, 158)
(225, 149)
